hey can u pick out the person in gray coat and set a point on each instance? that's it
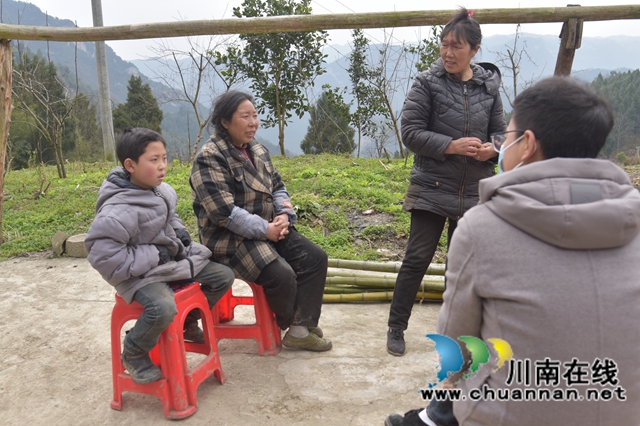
(139, 245)
(447, 118)
(549, 262)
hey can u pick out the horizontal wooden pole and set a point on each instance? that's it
(279, 24)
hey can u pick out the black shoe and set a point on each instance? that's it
(411, 418)
(141, 369)
(395, 342)
(193, 333)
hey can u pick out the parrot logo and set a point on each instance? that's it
(451, 360)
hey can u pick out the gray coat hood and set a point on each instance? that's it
(599, 210)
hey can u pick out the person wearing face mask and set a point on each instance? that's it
(447, 118)
(549, 261)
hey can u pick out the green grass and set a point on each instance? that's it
(324, 190)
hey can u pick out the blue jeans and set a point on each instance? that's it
(160, 308)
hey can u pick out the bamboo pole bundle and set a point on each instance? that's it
(375, 282)
(374, 297)
(393, 267)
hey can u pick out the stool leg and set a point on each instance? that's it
(269, 342)
(173, 369)
(224, 310)
(116, 363)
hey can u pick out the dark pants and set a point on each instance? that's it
(294, 283)
(426, 229)
(160, 307)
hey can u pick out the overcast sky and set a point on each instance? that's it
(122, 12)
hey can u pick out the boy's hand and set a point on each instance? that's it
(183, 235)
(165, 254)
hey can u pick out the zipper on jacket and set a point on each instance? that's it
(159, 194)
(464, 157)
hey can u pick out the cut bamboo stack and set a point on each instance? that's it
(363, 281)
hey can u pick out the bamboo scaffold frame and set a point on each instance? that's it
(314, 22)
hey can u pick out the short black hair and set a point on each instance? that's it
(223, 109)
(464, 27)
(133, 142)
(569, 117)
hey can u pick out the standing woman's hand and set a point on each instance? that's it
(464, 146)
(487, 152)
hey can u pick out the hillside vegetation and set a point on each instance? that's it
(351, 207)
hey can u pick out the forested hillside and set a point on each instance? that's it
(623, 92)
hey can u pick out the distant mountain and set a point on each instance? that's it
(597, 55)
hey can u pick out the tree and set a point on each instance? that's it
(192, 75)
(509, 63)
(428, 49)
(622, 90)
(140, 110)
(42, 98)
(387, 79)
(281, 65)
(89, 146)
(329, 129)
(368, 103)
(382, 137)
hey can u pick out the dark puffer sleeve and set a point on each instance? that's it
(416, 114)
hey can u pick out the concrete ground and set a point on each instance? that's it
(55, 363)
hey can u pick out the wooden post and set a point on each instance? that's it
(5, 113)
(571, 39)
(106, 117)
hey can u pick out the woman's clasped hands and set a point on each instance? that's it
(278, 228)
(471, 147)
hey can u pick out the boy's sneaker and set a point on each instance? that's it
(310, 343)
(193, 333)
(395, 342)
(411, 418)
(141, 369)
(317, 331)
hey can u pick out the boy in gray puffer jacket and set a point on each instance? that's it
(139, 245)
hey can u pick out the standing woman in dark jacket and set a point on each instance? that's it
(447, 117)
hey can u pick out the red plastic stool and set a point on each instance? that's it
(177, 389)
(265, 330)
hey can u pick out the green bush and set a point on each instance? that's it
(621, 158)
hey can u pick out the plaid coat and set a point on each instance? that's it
(222, 178)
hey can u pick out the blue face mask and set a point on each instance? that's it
(501, 155)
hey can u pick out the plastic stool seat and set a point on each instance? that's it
(265, 330)
(177, 389)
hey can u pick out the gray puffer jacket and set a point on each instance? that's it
(129, 223)
(438, 109)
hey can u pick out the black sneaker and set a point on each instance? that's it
(141, 369)
(395, 342)
(411, 418)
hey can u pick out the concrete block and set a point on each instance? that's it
(58, 243)
(75, 246)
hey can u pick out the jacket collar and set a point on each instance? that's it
(483, 73)
(258, 178)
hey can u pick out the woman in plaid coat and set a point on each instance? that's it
(245, 217)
